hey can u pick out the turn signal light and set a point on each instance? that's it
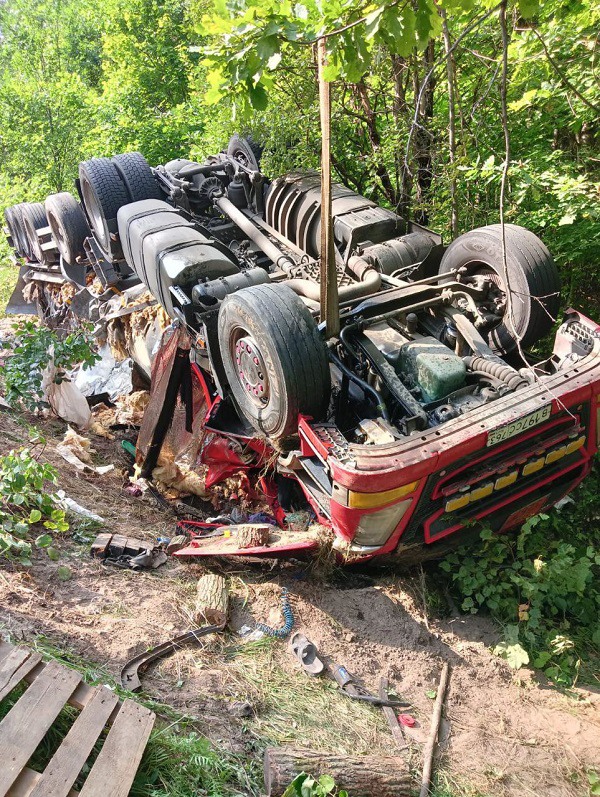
(371, 500)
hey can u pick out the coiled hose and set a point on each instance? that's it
(499, 370)
(288, 616)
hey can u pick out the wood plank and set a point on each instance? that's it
(25, 783)
(14, 667)
(66, 764)
(26, 723)
(114, 769)
(6, 649)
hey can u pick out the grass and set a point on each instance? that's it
(298, 710)
(8, 276)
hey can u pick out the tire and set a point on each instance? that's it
(14, 221)
(281, 355)
(532, 274)
(103, 193)
(34, 218)
(69, 226)
(245, 150)
(137, 176)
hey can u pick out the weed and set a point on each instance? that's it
(541, 585)
(306, 786)
(33, 347)
(26, 504)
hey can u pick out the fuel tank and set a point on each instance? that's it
(165, 250)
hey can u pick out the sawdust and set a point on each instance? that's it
(507, 734)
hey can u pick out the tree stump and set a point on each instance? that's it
(252, 535)
(367, 776)
(212, 600)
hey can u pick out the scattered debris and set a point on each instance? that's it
(65, 398)
(306, 653)
(106, 376)
(429, 750)
(393, 720)
(77, 451)
(288, 616)
(352, 689)
(72, 506)
(130, 673)
(127, 552)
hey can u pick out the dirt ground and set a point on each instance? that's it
(505, 734)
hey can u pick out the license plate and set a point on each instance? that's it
(520, 425)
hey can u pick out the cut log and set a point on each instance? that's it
(367, 776)
(212, 600)
(252, 535)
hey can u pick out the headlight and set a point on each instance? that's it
(376, 528)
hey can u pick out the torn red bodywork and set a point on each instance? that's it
(421, 490)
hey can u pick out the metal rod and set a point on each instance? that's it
(278, 257)
(329, 288)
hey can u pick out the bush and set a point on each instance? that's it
(32, 349)
(26, 505)
(541, 585)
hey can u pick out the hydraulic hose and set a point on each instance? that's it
(364, 386)
(499, 370)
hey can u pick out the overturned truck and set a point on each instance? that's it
(426, 417)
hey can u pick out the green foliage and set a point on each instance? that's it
(33, 347)
(26, 506)
(541, 585)
(305, 785)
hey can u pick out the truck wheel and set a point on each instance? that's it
(34, 218)
(532, 275)
(68, 224)
(245, 150)
(274, 358)
(103, 194)
(16, 227)
(138, 177)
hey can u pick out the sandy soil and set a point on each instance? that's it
(506, 734)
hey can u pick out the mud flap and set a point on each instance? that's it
(17, 305)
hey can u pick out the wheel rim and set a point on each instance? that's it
(57, 234)
(250, 367)
(499, 294)
(96, 217)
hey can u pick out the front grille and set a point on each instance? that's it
(503, 503)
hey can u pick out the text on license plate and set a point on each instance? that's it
(518, 426)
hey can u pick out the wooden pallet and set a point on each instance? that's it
(51, 687)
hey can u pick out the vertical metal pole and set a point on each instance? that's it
(330, 311)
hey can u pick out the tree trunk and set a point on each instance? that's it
(424, 137)
(367, 776)
(211, 600)
(252, 535)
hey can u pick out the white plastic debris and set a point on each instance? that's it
(65, 398)
(106, 376)
(72, 506)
